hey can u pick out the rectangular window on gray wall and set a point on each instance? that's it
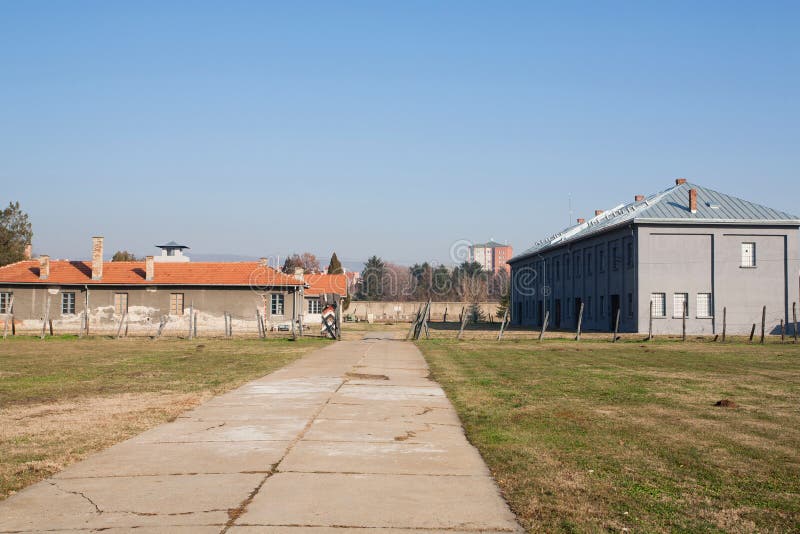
(704, 305)
(567, 272)
(68, 303)
(602, 306)
(658, 304)
(588, 263)
(614, 260)
(314, 306)
(601, 259)
(5, 302)
(558, 270)
(588, 306)
(176, 303)
(630, 304)
(629, 254)
(120, 303)
(748, 255)
(577, 264)
(276, 304)
(680, 305)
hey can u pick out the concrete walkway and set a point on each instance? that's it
(353, 435)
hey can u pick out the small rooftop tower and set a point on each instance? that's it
(171, 252)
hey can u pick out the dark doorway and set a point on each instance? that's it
(558, 313)
(577, 309)
(614, 310)
(539, 312)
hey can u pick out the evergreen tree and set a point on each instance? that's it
(335, 266)
(15, 234)
(372, 279)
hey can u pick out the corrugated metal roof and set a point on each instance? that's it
(671, 205)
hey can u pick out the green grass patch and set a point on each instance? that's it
(594, 436)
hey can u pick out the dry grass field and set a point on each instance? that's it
(598, 437)
(64, 398)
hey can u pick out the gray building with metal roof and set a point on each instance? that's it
(687, 250)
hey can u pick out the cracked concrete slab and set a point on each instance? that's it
(133, 458)
(399, 457)
(317, 445)
(378, 501)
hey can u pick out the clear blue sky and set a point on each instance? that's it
(389, 128)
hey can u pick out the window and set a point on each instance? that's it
(601, 256)
(577, 266)
(176, 303)
(658, 304)
(588, 306)
(120, 303)
(314, 306)
(588, 263)
(748, 255)
(68, 303)
(602, 306)
(629, 248)
(5, 302)
(558, 270)
(276, 307)
(614, 263)
(567, 272)
(704, 305)
(680, 305)
(630, 304)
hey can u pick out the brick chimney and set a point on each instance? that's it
(28, 250)
(680, 181)
(638, 198)
(598, 212)
(693, 200)
(298, 273)
(44, 267)
(149, 268)
(263, 262)
(97, 258)
(581, 221)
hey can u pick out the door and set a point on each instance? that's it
(558, 314)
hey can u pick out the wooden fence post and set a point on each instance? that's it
(444, 319)
(580, 323)
(616, 327)
(683, 318)
(783, 332)
(502, 325)
(194, 323)
(121, 321)
(46, 316)
(50, 322)
(86, 310)
(752, 332)
(464, 319)
(763, 324)
(10, 313)
(161, 326)
(724, 322)
(650, 328)
(544, 324)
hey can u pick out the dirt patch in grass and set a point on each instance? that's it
(63, 399)
(594, 436)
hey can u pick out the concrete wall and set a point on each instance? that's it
(146, 306)
(406, 311)
(680, 259)
(594, 271)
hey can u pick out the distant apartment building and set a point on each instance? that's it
(492, 256)
(687, 254)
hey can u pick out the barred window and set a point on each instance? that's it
(276, 306)
(68, 303)
(176, 303)
(748, 254)
(120, 303)
(658, 304)
(704, 305)
(5, 302)
(680, 305)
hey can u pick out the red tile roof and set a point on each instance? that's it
(325, 283)
(249, 273)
